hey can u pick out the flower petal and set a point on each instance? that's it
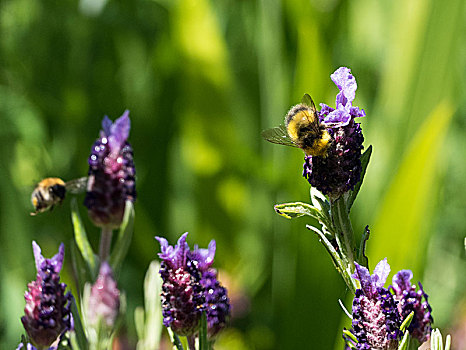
(346, 82)
(204, 257)
(362, 274)
(106, 125)
(402, 281)
(39, 259)
(381, 273)
(57, 259)
(337, 118)
(174, 256)
(119, 132)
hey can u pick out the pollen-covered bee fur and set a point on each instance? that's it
(52, 190)
(305, 130)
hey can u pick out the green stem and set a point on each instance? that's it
(175, 339)
(105, 243)
(191, 342)
(344, 235)
(336, 259)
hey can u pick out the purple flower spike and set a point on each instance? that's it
(182, 294)
(376, 321)
(104, 301)
(111, 174)
(411, 300)
(339, 171)
(47, 311)
(217, 302)
(190, 286)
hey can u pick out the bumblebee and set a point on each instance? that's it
(302, 129)
(51, 191)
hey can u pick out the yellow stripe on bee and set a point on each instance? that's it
(320, 146)
(50, 181)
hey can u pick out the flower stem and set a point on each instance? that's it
(105, 243)
(336, 259)
(191, 342)
(344, 236)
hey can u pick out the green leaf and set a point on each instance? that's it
(436, 340)
(124, 237)
(78, 327)
(80, 238)
(362, 258)
(350, 339)
(320, 201)
(139, 324)
(203, 343)
(149, 320)
(80, 268)
(175, 340)
(407, 321)
(448, 342)
(406, 209)
(296, 210)
(365, 158)
(404, 342)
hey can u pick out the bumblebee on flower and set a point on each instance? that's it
(330, 138)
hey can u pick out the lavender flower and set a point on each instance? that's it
(104, 300)
(190, 286)
(376, 321)
(47, 311)
(411, 300)
(182, 294)
(216, 296)
(340, 170)
(111, 174)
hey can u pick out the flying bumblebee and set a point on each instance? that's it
(51, 191)
(302, 129)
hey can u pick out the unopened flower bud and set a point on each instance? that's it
(104, 300)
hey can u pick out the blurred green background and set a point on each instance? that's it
(202, 78)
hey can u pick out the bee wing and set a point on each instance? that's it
(307, 100)
(76, 186)
(278, 135)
